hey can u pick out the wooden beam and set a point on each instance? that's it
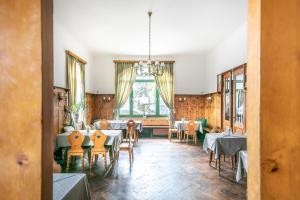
(75, 56)
(273, 99)
(47, 99)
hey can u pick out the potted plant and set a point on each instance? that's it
(76, 109)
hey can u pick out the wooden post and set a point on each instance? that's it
(26, 99)
(273, 99)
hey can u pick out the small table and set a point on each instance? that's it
(222, 144)
(112, 142)
(70, 186)
(242, 169)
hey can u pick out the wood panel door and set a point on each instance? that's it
(227, 100)
(239, 100)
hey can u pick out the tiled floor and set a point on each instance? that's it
(164, 170)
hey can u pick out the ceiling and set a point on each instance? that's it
(178, 26)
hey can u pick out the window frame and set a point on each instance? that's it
(157, 102)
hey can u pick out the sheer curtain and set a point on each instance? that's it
(124, 80)
(76, 83)
(165, 85)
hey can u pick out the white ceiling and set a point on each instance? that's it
(178, 26)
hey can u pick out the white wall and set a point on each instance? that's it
(193, 74)
(230, 53)
(189, 72)
(65, 41)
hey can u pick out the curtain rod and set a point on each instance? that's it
(136, 61)
(75, 56)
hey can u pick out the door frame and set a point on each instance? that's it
(237, 71)
(47, 99)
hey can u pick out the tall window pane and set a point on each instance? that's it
(163, 109)
(125, 110)
(144, 98)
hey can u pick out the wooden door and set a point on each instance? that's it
(227, 100)
(239, 100)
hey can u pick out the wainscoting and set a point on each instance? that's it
(187, 106)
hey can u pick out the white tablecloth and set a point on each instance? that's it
(242, 165)
(70, 186)
(181, 125)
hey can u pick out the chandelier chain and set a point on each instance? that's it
(150, 35)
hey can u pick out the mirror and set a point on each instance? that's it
(227, 97)
(239, 98)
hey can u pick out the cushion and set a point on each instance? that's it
(69, 129)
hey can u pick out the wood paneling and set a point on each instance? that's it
(273, 120)
(195, 106)
(59, 109)
(90, 108)
(21, 99)
(98, 108)
(212, 110)
(190, 108)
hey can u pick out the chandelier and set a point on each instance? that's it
(149, 67)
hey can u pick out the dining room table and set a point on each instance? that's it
(242, 168)
(181, 125)
(112, 143)
(224, 144)
(70, 186)
(120, 125)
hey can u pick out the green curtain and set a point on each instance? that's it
(71, 78)
(124, 80)
(165, 85)
(83, 97)
(71, 65)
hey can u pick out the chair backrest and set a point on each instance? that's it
(76, 139)
(130, 128)
(191, 126)
(104, 124)
(98, 138)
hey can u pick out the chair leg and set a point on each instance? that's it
(82, 161)
(105, 161)
(210, 158)
(68, 162)
(132, 154)
(219, 159)
(129, 154)
(232, 162)
(91, 162)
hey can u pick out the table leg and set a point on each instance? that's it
(219, 159)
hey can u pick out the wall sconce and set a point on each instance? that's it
(106, 99)
(181, 99)
(209, 99)
(61, 96)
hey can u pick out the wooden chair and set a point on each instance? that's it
(98, 138)
(104, 125)
(131, 128)
(128, 146)
(75, 139)
(190, 131)
(173, 130)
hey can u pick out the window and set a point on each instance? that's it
(144, 100)
(79, 90)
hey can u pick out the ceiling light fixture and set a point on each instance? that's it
(149, 67)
